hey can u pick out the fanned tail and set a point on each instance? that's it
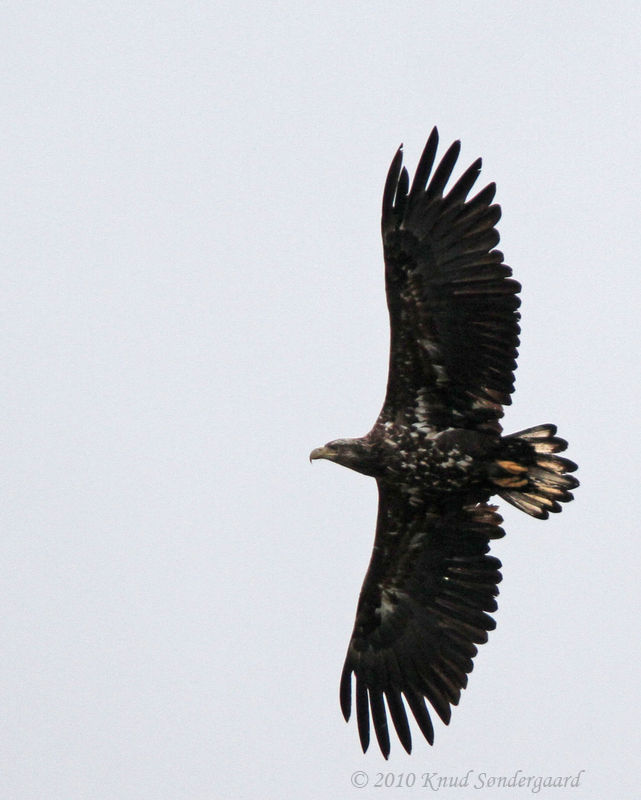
(530, 475)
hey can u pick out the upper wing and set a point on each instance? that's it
(420, 612)
(452, 304)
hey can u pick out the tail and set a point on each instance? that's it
(529, 474)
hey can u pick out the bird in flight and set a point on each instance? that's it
(437, 451)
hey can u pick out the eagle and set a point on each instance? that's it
(438, 453)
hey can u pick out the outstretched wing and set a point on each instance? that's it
(452, 304)
(421, 612)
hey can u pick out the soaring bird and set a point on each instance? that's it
(437, 451)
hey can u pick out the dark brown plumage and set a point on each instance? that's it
(437, 451)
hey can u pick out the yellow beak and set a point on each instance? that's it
(320, 452)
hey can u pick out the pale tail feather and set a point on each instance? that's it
(537, 482)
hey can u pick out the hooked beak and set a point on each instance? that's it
(320, 452)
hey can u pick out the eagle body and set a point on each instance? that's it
(421, 462)
(438, 453)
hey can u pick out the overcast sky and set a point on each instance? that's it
(192, 299)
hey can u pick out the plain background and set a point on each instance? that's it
(193, 299)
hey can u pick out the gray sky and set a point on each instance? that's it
(193, 300)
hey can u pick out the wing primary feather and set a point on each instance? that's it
(456, 223)
(417, 703)
(389, 192)
(464, 649)
(444, 170)
(399, 718)
(346, 692)
(454, 672)
(379, 718)
(483, 198)
(400, 201)
(362, 713)
(419, 678)
(461, 188)
(425, 163)
(462, 261)
(432, 691)
(447, 688)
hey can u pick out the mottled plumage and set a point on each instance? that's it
(437, 451)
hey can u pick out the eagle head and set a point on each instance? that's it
(357, 454)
